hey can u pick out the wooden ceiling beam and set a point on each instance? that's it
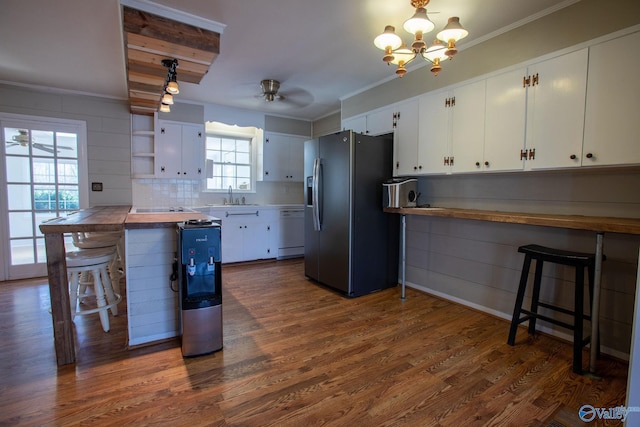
(148, 39)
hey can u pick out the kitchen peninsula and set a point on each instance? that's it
(96, 219)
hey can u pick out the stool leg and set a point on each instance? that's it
(104, 315)
(535, 297)
(74, 280)
(578, 321)
(108, 290)
(515, 320)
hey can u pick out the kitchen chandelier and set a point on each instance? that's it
(397, 53)
(170, 86)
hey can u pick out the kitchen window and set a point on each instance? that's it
(231, 157)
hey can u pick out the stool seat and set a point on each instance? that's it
(559, 256)
(578, 260)
(88, 257)
(94, 261)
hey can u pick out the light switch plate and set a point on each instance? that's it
(96, 186)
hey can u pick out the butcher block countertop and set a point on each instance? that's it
(99, 218)
(577, 222)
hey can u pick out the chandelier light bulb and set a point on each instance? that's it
(167, 98)
(164, 108)
(453, 31)
(419, 22)
(388, 39)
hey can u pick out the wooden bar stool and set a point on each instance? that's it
(96, 240)
(95, 261)
(578, 260)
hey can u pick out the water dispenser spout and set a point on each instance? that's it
(191, 268)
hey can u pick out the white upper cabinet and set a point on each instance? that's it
(405, 138)
(179, 150)
(505, 113)
(555, 111)
(452, 130)
(433, 130)
(466, 107)
(283, 157)
(612, 124)
(374, 123)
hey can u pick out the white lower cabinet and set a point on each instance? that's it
(247, 233)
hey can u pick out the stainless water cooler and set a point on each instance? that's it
(200, 286)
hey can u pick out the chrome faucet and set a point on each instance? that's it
(230, 195)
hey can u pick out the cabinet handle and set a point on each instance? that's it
(199, 171)
(415, 168)
(589, 155)
(161, 168)
(486, 164)
(532, 154)
(397, 165)
(477, 164)
(534, 80)
(162, 131)
(573, 157)
(420, 167)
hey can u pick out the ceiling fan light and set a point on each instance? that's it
(164, 108)
(452, 31)
(172, 87)
(419, 22)
(167, 98)
(388, 39)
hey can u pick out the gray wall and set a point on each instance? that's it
(326, 125)
(108, 134)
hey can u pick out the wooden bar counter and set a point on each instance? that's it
(102, 218)
(577, 222)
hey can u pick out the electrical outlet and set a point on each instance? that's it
(96, 186)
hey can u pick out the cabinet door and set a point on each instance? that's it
(505, 115)
(555, 111)
(356, 124)
(192, 151)
(405, 139)
(380, 122)
(467, 128)
(256, 243)
(168, 150)
(232, 233)
(296, 158)
(434, 149)
(611, 121)
(275, 157)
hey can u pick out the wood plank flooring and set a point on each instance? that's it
(296, 354)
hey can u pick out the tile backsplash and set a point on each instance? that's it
(188, 193)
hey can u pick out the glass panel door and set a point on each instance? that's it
(41, 168)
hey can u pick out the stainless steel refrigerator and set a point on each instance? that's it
(351, 245)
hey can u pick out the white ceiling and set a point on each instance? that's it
(319, 50)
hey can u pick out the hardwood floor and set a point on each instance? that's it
(296, 354)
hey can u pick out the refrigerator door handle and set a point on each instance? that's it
(315, 199)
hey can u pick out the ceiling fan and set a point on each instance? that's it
(22, 139)
(292, 97)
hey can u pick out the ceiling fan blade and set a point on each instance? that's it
(43, 148)
(11, 143)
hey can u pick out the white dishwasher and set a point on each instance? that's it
(291, 233)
